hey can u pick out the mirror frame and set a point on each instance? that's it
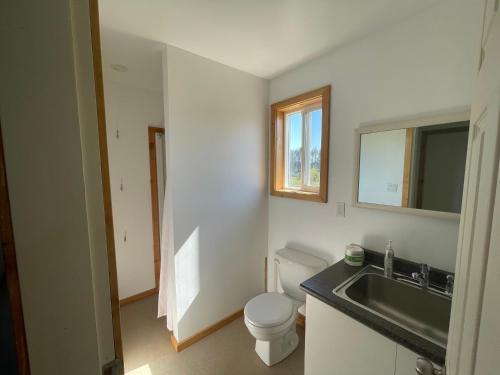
(442, 117)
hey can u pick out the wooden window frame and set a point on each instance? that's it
(278, 138)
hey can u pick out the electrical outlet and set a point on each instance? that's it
(392, 188)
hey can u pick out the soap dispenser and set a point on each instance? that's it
(388, 260)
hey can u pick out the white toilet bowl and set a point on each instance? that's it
(270, 318)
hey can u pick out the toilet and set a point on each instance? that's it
(270, 317)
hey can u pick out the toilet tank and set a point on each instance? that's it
(294, 267)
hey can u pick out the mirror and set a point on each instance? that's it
(416, 165)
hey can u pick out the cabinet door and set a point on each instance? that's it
(406, 361)
(339, 345)
(473, 348)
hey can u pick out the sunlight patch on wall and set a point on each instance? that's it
(187, 271)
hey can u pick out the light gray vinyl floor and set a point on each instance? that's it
(230, 350)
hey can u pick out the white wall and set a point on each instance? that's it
(48, 116)
(130, 110)
(381, 165)
(217, 135)
(423, 64)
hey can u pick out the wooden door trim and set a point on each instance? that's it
(183, 344)
(106, 186)
(12, 275)
(405, 199)
(138, 297)
(155, 214)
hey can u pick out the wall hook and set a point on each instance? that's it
(125, 237)
(117, 134)
(121, 184)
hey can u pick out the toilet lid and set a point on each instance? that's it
(268, 310)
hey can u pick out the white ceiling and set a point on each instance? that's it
(141, 56)
(261, 37)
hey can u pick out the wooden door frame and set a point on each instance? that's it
(11, 272)
(106, 185)
(155, 212)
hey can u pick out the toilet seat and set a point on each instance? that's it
(271, 333)
(269, 310)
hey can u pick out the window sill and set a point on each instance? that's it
(298, 194)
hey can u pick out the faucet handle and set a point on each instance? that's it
(423, 276)
(424, 272)
(450, 281)
(425, 269)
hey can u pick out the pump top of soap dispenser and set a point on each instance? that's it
(389, 245)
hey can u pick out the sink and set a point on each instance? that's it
(422, 311)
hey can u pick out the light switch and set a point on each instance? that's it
(340, 209)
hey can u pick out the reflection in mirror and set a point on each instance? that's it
(421, 167)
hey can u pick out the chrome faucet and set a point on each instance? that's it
(450, 281)
(425, 367)
(423, 276)
(389, 260)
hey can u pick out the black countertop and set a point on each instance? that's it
(322, 285)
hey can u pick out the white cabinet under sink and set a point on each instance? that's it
(405, 361)
(336, 344)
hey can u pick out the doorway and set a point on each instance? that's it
(14, 355)
(158, 173)
(133, 99)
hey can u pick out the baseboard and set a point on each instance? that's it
(301, 320)
(139, 296)
(181, 345)
(115, 367)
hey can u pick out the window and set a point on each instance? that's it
(299, 146)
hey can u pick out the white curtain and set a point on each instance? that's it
(166, 296)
